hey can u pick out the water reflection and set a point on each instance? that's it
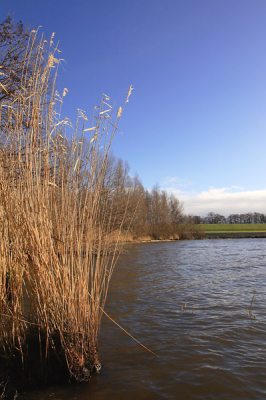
(217, 352)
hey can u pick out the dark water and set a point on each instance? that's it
(217, 352)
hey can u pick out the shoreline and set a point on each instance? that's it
(235, 235)
(207, 236)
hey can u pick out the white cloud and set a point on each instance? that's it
(223, 201)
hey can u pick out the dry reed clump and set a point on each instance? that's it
(56, 218)
(125, 237)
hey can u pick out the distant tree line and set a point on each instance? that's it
(248, 218)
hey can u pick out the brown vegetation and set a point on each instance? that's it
(160, 217)
(60, 201)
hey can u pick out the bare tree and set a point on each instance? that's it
(15, 54)
(22, 55)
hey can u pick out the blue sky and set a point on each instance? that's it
(196, 120)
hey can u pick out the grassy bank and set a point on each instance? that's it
(229, 228)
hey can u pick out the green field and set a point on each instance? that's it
(223, 228)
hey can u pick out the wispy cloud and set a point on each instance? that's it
(174, 182)
(224, 201)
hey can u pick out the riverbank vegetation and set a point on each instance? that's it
(60, 203)
(160, 217)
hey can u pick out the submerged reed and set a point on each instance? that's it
(58, 211)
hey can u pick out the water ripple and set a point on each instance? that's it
(189, 302)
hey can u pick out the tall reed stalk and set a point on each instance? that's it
(57, 203)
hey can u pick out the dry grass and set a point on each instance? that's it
(56, 219)
(144, 238)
